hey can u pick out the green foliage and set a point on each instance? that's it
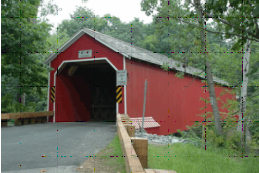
(165, 67)
(238, 18)
(56, 40)
(23, 50)
(48, 8)
(254, 127)
(230, 140)
(180, 75)
(253, 95)
(214, 139)
(135, 32)
(148, 6)
(233, 141)
(234, 23)
(82, 18)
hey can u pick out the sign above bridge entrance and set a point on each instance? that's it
(121, 78)
(85, 53)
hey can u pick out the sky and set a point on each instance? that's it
(126, 10)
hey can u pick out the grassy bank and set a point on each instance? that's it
(112, 156)
(189, 158)
(108, 160)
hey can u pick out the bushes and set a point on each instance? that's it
(202, 132)
(198, 133)
(233, 141)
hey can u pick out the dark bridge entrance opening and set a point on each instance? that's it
(86, 92)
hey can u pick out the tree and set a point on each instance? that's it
(23, 47)
(243, 93)
(241, 21)
(80, 19)
(209, 76)
(110, 25)
(235, 20)
(147, 5)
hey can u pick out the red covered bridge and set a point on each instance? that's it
(84, 77)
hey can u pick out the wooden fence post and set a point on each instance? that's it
(130, 130)
(26, 121)
(17, 122)
(4, 123)
(141, 147)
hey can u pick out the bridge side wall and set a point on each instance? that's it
(172, 101)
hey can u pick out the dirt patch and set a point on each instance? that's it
(95, 164)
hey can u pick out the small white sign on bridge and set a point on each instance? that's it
(84, 53)
(121, 77)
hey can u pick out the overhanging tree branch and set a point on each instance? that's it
(232, 25)
(219, 32)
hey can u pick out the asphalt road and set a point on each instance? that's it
(59, 147)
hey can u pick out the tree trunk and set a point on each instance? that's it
(213, 100)
(209, 76)
(244, 132)
(243, 94)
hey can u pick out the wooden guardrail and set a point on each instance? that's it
(132, 161)
(135, 149)
(25, 117)
(6, 116)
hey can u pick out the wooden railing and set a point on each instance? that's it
(131, 159)
(26, 117)
(134, 149)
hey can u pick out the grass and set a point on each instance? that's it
(112, 156)
(189, 158)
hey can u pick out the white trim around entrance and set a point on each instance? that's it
(81, 60)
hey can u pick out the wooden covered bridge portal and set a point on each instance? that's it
(84, 79)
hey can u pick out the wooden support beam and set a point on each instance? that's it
(17, 122)
(141, 147)
(4, 123)
(135, 150)
(22, 121)
(18, 115)
(133, 164)
(127, 124)
(38, 120)
(26, 121)
(130, 130)
(4, 117)
(21, 118)
(33, 121)
(43, 119)
(125, 118)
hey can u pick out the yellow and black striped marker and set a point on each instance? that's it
(52, 94)
(119, 94)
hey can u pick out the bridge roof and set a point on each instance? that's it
(130, 51)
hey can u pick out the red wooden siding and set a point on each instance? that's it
(173, 102)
